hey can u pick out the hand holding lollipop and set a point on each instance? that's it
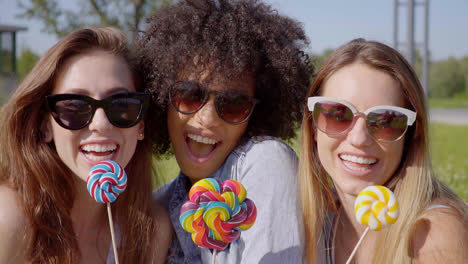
(216, 213)
(106, 181)
(375, 207)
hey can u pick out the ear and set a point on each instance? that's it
(141, 130)
(46, 130)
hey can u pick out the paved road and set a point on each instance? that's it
(449, 116)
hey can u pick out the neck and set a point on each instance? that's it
(347, 215)
(86, 213)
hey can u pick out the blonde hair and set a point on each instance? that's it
(413, 182)
(33, 168)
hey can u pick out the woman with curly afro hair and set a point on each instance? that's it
(228, 79)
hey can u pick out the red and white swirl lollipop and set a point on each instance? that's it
(106, 181)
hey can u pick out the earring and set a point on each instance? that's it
(141, 134)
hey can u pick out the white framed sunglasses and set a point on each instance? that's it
(384, 122)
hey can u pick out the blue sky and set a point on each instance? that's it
(328, 24)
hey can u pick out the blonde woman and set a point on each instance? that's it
(366, 124)
(82, 103)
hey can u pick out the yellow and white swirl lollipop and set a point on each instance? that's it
(376, 207)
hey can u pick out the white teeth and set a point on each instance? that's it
(99, 158)
(359, 160)
(99, 148)
(350, 165)
(201, 139)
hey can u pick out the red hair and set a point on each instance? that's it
(32, 167)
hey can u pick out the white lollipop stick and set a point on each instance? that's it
(213, 261)
(111, 226)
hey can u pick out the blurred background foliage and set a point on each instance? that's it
(448, 79)
(127, 15)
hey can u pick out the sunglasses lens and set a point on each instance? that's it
(73, 113)
(124, 112)
(234, 107)
(332, 117)
(187, 97)
(386, 125)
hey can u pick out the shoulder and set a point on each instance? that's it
(11, 213)
(162, 194)
(266, 147)
(440, 234)
(267, 159)
(13, 226)
(163, 232)
(161, 217)
(162, 221)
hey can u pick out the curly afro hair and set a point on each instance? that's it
(232, 37)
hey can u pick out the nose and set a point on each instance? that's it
(207, 115)
(100, 123)
(358, 135)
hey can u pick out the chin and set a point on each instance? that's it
(354, 188)
(197, 171)
(195, 178)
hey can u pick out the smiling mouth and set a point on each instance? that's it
(98, 152)
(357, 163)
(200, 146)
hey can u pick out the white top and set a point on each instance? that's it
(267, 168)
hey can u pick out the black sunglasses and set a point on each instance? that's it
(75, 111)
(233, 107)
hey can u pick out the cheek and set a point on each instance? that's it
(131, 141)
(236, 132)
(394, 156)
(325, 149)
(58, 134)
(65, 142)
(175, 121)
(172, 118)
(322, 151)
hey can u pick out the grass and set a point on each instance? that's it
(455, 102)
(449, 151)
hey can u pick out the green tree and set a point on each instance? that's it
(124, 14)
(464, 69)
(318, 60)
(446, 78)
(5, 65)
(26, 62)
(418, 63)
(3, 94)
